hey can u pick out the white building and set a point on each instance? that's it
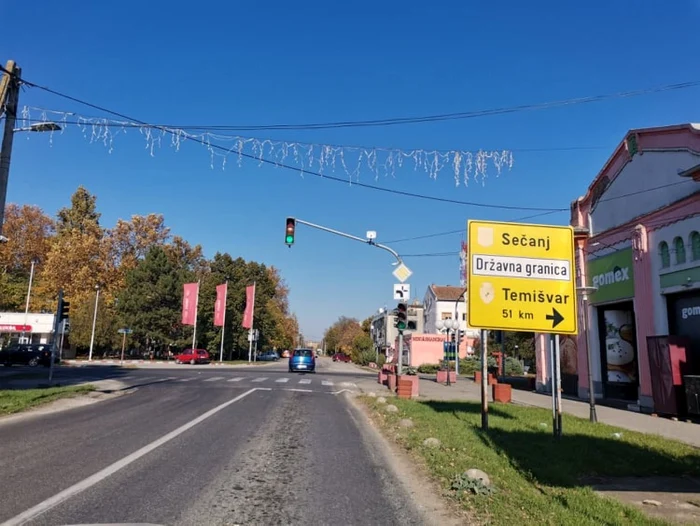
(36, 327)
(440, 303)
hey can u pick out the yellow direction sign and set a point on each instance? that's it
(521, 277)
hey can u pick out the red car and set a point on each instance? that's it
(193, 356)
(340, 357)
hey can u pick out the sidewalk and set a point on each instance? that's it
(466, 389)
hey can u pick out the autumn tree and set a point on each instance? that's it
(29, 231)
(341, 335)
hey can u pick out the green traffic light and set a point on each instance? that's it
(401, 325)
(289, 240)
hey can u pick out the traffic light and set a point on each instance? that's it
(63, 309)
(401, 317)
(289, 235)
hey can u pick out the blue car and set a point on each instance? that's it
(302, 360)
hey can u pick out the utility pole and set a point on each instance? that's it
(94, 321)
(9, 101)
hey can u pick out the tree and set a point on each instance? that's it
(77, 260)
(81, 317)
(151, 300)
(367, 325)
(341, 335)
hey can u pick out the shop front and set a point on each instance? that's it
(684, 320)
(612, 276)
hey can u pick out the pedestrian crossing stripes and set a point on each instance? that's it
(288, 382)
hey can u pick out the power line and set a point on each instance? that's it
(408, 120)
(261, 159)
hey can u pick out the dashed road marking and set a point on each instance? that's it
(282, 380)
(238, 379)
(260, 379)
(214, 379)
(305, 381)
(300, 390)
(186, 379)
(326, 382)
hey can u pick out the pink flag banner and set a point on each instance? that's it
(189, 303)
(249, 306)
(220, 305)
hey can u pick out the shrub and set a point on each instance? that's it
(428, 368)
(513, 367)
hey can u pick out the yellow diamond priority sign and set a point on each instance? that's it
(521, 277)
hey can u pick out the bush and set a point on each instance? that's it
(513, 367)
(364, 357)
(428, 368)
(468, 366)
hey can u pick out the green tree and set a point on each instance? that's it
(150, 303)
(81, 317)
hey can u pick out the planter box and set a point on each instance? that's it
(442, 377)
(391, 382)
(491, 378)
(381, 377)
(501, 393)
(408, 386)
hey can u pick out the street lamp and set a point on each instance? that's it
(29, 293)
(40, 127)
(94, 322)
(584, 292)
(448, 325)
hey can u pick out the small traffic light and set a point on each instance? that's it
(63, 309)
(401, 317)
(289, 235)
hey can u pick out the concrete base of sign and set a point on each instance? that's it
(442, 377)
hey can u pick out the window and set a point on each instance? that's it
(679, 249)
(695, 245)
(664, 254)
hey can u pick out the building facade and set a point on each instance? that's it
(384, 333)
(638, 249)
(17, 327)
(441, 302)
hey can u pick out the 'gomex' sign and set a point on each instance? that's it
(613, 276)
(617, 275)
(687, 312)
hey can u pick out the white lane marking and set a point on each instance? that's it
(260, 379)
(305, 381)
(214, 379)
(326, 383)
(348, 384)
(341, 391)
(235, 379)
(282, 380)
(128, 377)
(186, 379)
(84, 484)
(300, 390)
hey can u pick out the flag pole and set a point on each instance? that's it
(223, 324)
(250, 330)
(196, 305)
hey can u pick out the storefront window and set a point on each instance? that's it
(664, 254)
(679, 248)
(695, 245)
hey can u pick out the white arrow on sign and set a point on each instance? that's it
(402, 291)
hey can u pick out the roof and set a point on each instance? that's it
(672, 138)
(447, 292)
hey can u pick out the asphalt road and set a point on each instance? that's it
(194, 446)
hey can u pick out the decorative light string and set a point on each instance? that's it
(351, 160)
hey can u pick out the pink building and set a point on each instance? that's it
(638, 244)
(429, 348)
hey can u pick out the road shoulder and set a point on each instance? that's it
(422, 490)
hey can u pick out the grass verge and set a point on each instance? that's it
(16, 400)
(536, 478)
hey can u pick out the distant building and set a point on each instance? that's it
(382, 329)
(16, 327)
(440, 303)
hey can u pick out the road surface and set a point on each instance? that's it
(207, 446)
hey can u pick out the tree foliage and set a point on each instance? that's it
(140, 270)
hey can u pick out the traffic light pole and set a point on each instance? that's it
(354, 238)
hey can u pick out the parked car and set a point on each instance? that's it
(340, 357)
(193, 356)
(302, 360)
(268, 356)
(31, 354)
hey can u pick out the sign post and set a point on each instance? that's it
(521, 278)
(124, 332)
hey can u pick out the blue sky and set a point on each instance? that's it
(255, 63)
